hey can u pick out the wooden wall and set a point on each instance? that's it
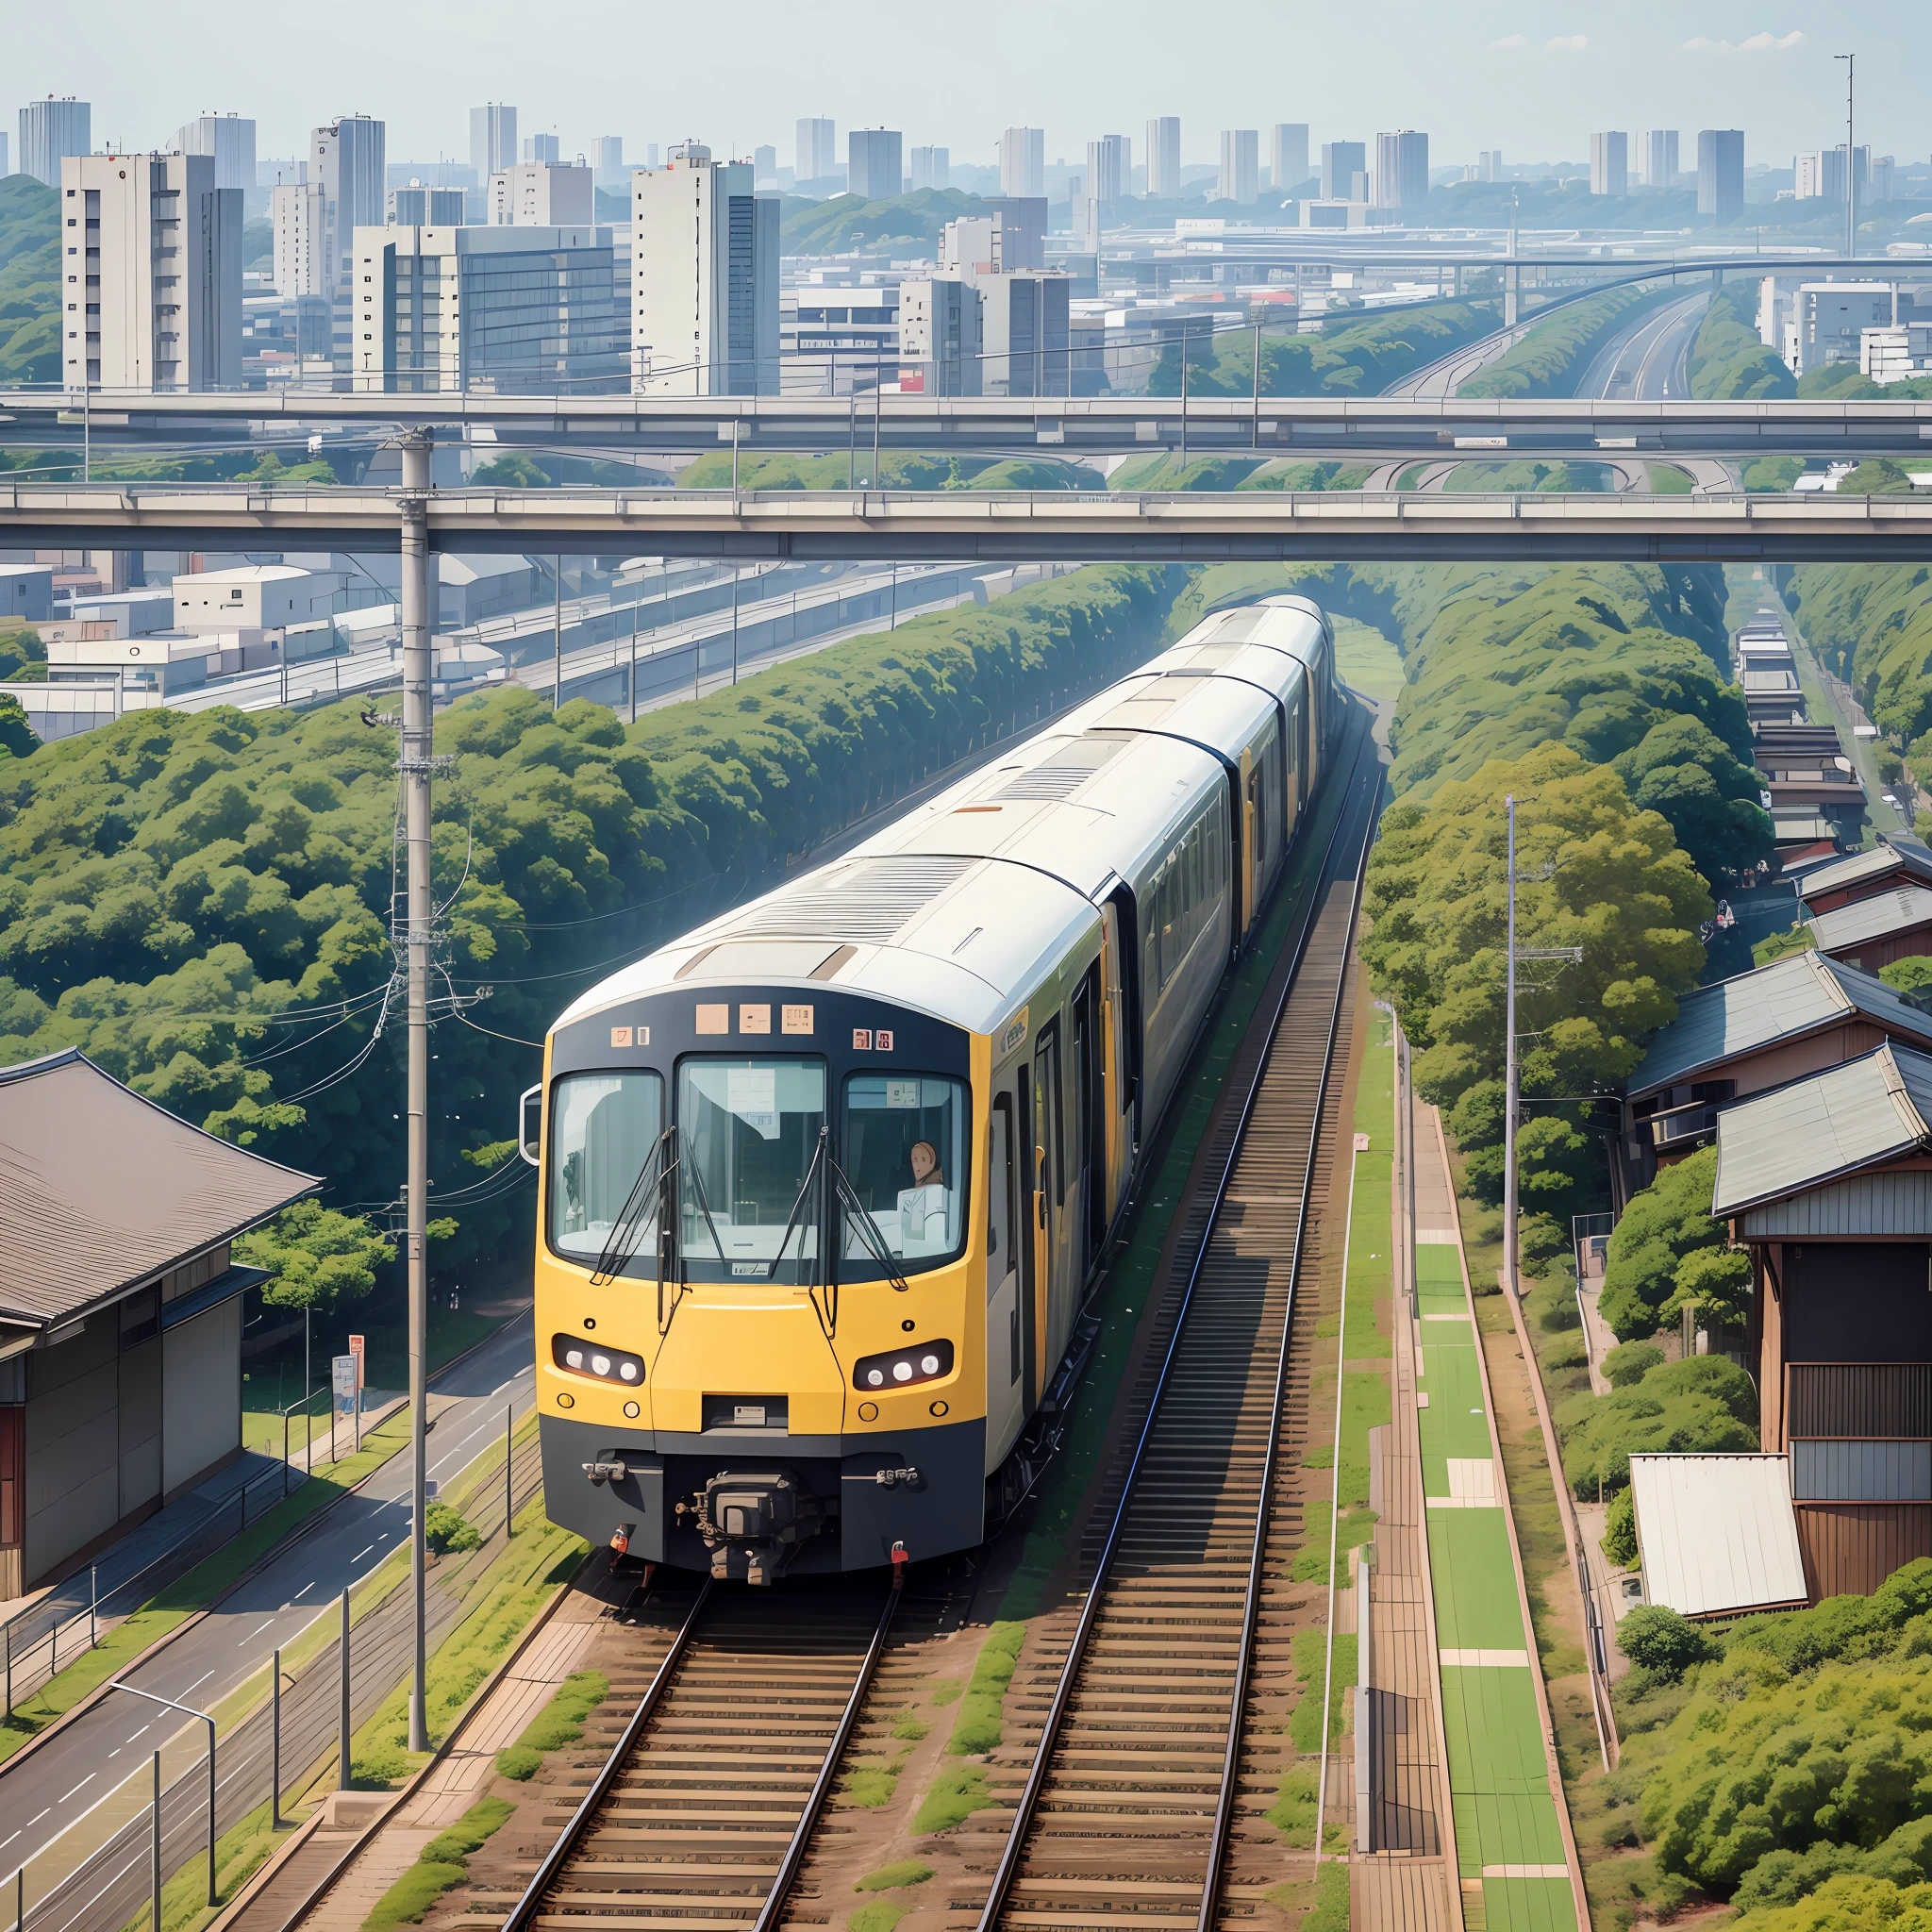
(1851, 1548)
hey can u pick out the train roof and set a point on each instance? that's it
(959, 908)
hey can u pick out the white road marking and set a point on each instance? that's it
(65, 1795)
(303, 1592)
(361, 1554)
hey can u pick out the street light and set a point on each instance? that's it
(188, 1711)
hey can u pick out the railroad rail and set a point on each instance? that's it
(1130, 1809)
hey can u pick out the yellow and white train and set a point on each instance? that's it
(826, 1181)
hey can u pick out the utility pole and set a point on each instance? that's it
(418, 762)
(1851, 162)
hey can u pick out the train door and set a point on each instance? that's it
(1006, 1345)
(1034, 1235)
(1050, 1160)
(1114, 1102)
(1253, 822)
(1089, 1115)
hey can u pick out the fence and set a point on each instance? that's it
(95, 1875)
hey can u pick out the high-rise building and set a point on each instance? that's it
(932, 167)
(607, 162)
(1882, 185)
(346, 158)
(1609, 164)
(1489, 166)
(1342, 161)
(301, 223)
(492, 138)
(703, 278)
(508, 310)
(1721, 174)
(1820, 175)
(540, 195)
(6, 167)
(1110, 169)
(1239, 179)
(154, 300)
(417, 206)
(1288, 156)
(50, 130)
(815, 153)
(1023, 161)
(1402, 171)
(1019, 230)
(1659, 156)
(1023, 325)
(229, 140)
(940, 322)
(873, 162)
(764, 166)
(543, 148)
(1164, 158)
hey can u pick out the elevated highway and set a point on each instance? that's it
(943, 526)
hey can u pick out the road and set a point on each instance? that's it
(1647, 362)
(43, 1793)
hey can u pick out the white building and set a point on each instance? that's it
(1240, 166)
(347, 159)
(1820, 175)
(50, 131)
(1164, 156)
(151, 273)
(1023, 160)
(1827, 321)
(1287, 154)
(1402, 171)
(1609, 164)
(419, 206)
(492, 138)
(1892, 355)
(815, 156)
(506, 309)
(1658, 155)
(229, 140)
(932, 167)
(1025, 323)
(607, 162)
(939, 336)
(541, 194)
(703, 278)
(300, 212)
(874, 163)
(253, 596)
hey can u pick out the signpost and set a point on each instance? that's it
(356, 1349)
(342, 1381)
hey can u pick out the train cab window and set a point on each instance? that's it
(603, 1128)
(748, 1130)
(902, 1144)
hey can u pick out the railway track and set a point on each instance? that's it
(1155, 1710)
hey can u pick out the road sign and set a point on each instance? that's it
(342, 1380)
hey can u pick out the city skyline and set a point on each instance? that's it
(1489, 72)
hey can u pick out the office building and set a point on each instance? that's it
(1023, 327)
(5, 166)
(1488, 164)
(939, 338)
(301, 226)
(151, 285)
(1609, 164)
(1020, 228)
(1820, 175)
(1164, 158)
(540, 194)
(505, 309)
(1288, 156)
(1110, 169)
(874, 163)
(347, 159)
(932, 167)
(764, 167)
(546, 149)
(703, 278)
(1023, 161)
(253, 596)
(229, 140)
(606, 163)
(1826, 321)
(417, 206)
(1882, 185)
(1721, 174)
(815, 153)
(1239, 179)
(1660, 154)
(1343, 164)
(493, 139)
(1402, 171)
(50, 130)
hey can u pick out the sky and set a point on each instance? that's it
(1531, 78)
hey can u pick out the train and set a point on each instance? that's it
(826, 1181)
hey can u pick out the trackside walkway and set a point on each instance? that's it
(1516, 1873)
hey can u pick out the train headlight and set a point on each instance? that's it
(900, 1368)
(599, 1365)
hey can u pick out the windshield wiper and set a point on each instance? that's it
(626, 1232)
(697, 1181)
(868, 1229)
(791, 1220)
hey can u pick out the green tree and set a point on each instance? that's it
(1727, 361)
(1717, 1283)
(1552, 353)
(17, 736)
(1875, 476)
(1681, 769)
(21, 650)
(1658, 1639)
(448, 1532)
(1664, 1223)
(1702, 1404)
(317, 1257)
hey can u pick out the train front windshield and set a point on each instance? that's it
(748, 1131)
(903, 1145)
(604, 1130)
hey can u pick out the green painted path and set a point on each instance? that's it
(1507, 1837)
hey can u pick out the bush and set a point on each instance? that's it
(1619, 1530)
(1845, 1904)
(1658, 1639)
(1703, 1405)
(1630, 1362)
(1663, 1224)
(445, 1531)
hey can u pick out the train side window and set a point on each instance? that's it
(1002, 1258)
(603, 1128)
(904, 1143)
(1053, 1111)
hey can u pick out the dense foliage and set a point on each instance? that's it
(840, 468)
(17, 736)
(29, 281)
(1872, 622)
(1358, 359)
(1594, 871)
(1236, 473)
(1553, 354)
(1665, 1225)
(1700, 1404)
(849, 222)
(1727, 360)
(315, 1257)
(202, 901)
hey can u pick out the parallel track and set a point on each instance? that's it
(1131, 1804)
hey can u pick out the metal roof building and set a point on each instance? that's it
(1874, 931)
(120, 1306)
(1859, 874)
(1718, 1533)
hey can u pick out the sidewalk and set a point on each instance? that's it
(1516, 1868)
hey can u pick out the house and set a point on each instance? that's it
(473, 588)
(1827, 1182)
(1747, 1034)
(1871, 933)
(120, 1307)
(1864, 875)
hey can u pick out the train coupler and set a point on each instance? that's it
(753, 1524)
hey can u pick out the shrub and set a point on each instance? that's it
(1619, 1530)
(1702, 1404)
(1658, 1639)
(447, 1533)
(1630, 1362)
(514, 1761)
(1664, 1223)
